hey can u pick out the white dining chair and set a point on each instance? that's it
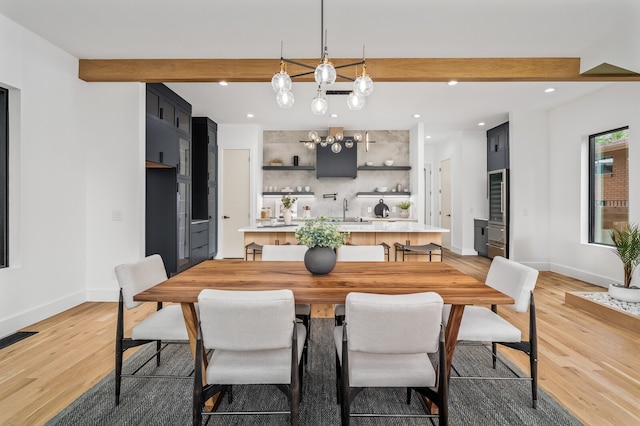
(291, 252)
(255, 339)
(165, 325)
(354, 253)
(385, 342)
(484, 326)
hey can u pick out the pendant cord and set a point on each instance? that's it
(322, 34)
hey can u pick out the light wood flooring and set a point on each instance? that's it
(587, 365)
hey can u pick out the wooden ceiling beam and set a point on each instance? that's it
(380, 69)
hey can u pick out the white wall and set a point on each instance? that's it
(569, 129)
(468, 185)
(47, 197)
(72, 149)
(529, 182)
(114, 126)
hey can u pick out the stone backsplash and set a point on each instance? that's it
(389, 145)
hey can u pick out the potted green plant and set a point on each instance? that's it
(287, 202)
(404, 208)
(323, 237)
(627, 247)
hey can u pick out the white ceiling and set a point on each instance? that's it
(398, 28)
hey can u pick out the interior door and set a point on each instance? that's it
(235, 201)
(427, 195)
(445, 201)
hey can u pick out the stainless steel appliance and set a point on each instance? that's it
(498, 226)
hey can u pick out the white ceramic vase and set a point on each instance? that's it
(286, 215)
(404, 213)
(625, 294)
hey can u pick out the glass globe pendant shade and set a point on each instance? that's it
(330, 139)
(357, 137)
(285, 99)
(339, 136)
(313, 136)
(324, 143)
(336, 147)
(363, 86)
(348, 143)
(310, 145)
(281, 81)
(355, 102)
(319, 105)
(325, 73)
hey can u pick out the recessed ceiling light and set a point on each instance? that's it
(482, 123)
(334, 115)
(223, 83)
(452, 82)
(428, 137)
(249, 115)
(416, 115)
(549, 90)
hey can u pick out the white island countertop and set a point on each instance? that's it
(404, 226)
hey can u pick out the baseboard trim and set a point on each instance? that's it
(594, 279)
(38, 313)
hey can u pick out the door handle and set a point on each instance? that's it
(226, 217)
(448, 215)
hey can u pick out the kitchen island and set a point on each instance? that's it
(360, 233)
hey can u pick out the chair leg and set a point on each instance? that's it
(158, 347)
(338, 385)
(408, 396)
(118, 370)
(494, 351)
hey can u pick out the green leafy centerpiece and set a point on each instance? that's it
(323, 237)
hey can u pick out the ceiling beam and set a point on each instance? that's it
(380, 69)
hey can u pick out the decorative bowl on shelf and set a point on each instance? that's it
(369, 163)
(388, 163)
(381, 189)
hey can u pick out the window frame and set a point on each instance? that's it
(594, 173)
(4, 177)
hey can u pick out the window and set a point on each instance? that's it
(4, 177)
(608, 184)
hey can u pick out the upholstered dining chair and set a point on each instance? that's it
(481, 325)
(353, 253)
(385, 342)
(291, 252)
(255, 339)
(165, 325)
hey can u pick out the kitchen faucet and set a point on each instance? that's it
(345, 207)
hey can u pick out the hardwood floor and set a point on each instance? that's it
(589, 366)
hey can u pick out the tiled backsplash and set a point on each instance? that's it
(389, 145)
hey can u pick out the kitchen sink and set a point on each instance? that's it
(350, 220)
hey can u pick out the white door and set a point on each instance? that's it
(235, 201)
(427, 195)
(445, 201)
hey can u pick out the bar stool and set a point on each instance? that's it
(253, 249)
(425, 249)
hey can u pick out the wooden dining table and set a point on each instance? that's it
(455, 287)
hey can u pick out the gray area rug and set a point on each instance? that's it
(168, 401)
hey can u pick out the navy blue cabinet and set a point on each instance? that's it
(498, 147)
(205, 179)
(168, 178)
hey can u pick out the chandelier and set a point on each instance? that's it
(335, 140)
(325, 75)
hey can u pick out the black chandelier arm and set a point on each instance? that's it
(289, 61)
(300, 64)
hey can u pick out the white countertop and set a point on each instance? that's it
(377, 226)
